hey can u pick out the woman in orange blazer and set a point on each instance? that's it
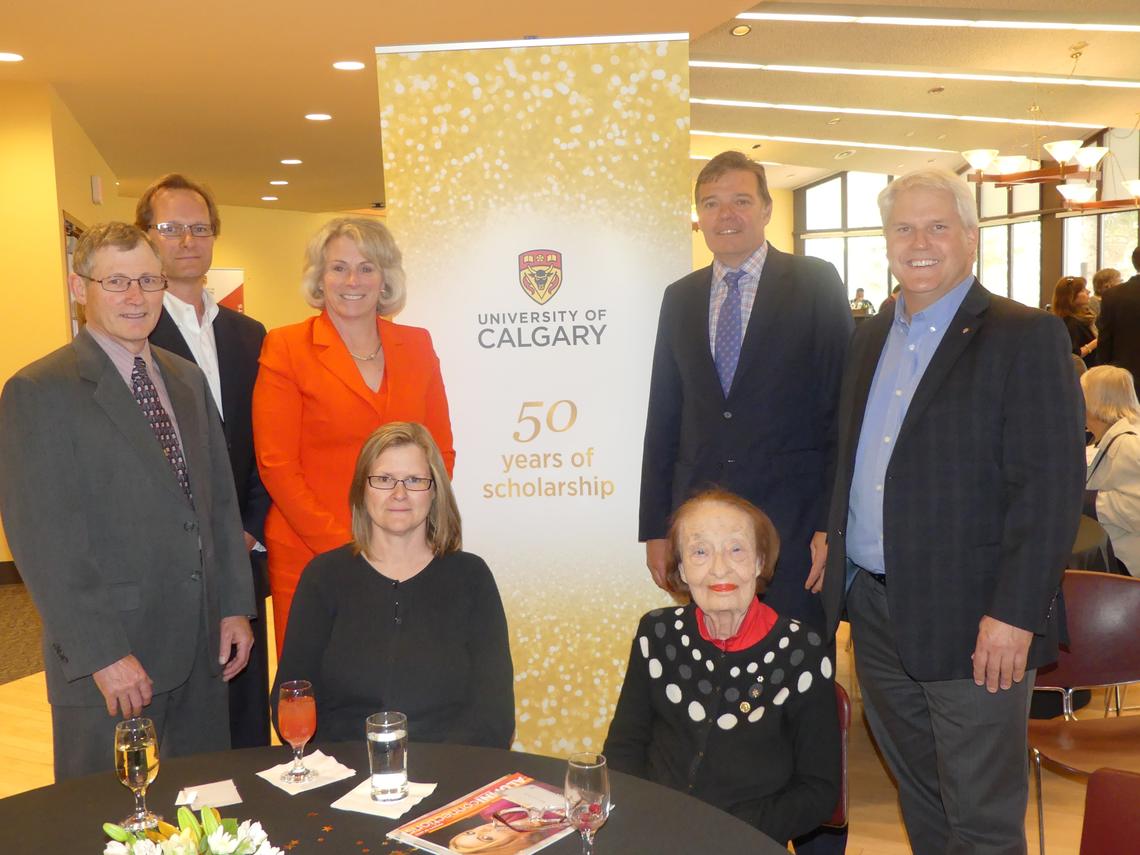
(325, 384)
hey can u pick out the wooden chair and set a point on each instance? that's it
(1103, 614)
(843, 703)
(1112, 817)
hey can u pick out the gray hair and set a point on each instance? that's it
(1110, 394)
(939, 180)
(375, 243)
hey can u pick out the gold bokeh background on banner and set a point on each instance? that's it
(584, 149)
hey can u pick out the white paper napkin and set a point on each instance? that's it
(328, 769)
(218, 794)
(359, 799)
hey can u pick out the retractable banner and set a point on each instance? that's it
(540, 193)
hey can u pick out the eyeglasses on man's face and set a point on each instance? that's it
(177, 230)
(117, 282)
(414, 483)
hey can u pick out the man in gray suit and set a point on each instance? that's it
(119, 506)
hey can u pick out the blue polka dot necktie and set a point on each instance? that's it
(728, 331)
(160, 423)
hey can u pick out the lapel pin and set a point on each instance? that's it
(965, 330)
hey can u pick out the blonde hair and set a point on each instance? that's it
(375, 243)
(1110, 394)
(444, 527)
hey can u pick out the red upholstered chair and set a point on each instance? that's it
(1103, 614)
(1112, 813)
(839, 816)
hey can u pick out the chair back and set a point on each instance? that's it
(843, 704)
(1112, 820)
(1103, 615)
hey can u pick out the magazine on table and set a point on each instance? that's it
(514, 815)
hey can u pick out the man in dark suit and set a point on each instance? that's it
(745, 382)
(958, 490)
(1119, 323)
(120, 510)
(182, 219)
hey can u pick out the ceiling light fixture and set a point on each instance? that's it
(741, 30)
(904, 114)
(843, 155)
(10, 57)
(812, 141)
(977, 23)
(278, 183)
(920, 75)
(318, 117)
(348, 65)
(268, 198)
(291, 161)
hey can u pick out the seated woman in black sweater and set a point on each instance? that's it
(400, 618)
(1071, 305)
(723, 698)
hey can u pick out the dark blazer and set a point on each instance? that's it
(238, 339)
(116, 559)
(1119, 327)
(983, 491)
(771, 439)
(1080, 334)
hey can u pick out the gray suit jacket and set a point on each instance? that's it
(116, 559)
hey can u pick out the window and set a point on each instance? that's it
(867, 267)
(1025, 262)
(1117, 240)
(993, 259)
(825, 205)
(829, 249)
(1080, 258)
(863, 200)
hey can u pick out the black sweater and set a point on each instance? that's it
(434, 648)
(754, 733)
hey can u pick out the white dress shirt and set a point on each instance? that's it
(199, 337)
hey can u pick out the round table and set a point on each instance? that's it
(647, 818)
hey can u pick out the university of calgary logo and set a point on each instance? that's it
(540, 273)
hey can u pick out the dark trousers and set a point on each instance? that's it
(249, 690)
(190, 719)
(957, 751)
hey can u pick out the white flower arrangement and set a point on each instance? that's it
(210, 836)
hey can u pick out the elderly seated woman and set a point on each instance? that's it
(724, 698)
(1112, 414)
(400, 618)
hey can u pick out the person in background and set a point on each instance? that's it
(888, 305)
(183, 222)
(400, 618)
(956, 502)
(1119, 323)
(1071, 305)
(763, 744)
(861, 305)
(326, 383)
(119, 506)
(1103, 280)
(1112, 415)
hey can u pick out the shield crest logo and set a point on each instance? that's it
(540, 273)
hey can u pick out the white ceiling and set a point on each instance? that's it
(218, 90)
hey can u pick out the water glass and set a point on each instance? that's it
(387, 734)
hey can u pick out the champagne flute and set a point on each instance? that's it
(136, 762)
(297, 721)
(587, 796)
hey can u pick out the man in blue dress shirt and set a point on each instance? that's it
(958, 492)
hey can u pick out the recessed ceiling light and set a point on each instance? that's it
(268, 198)
(935, 90)
(922, 75)
(834, 120)
(741, 30)
(348, 65)
(758, 145)
(278, 183)
(11, 57)
(318, 117)
(843, 155)
(810, 18)
(905, 114)
(291, 161)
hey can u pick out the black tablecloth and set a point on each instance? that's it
(68, 817)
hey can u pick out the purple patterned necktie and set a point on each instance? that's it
(159, 421)
(728, 331)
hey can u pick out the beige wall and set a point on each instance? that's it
(779, 231)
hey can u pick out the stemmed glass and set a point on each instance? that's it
(297, 721)
(136, 762)
(587, 796)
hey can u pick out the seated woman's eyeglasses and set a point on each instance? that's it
(413, 483)
(176, 230)
(118, 282)
(523, 820)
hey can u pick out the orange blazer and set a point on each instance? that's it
(312, 412)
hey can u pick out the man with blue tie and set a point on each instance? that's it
(745, 383)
